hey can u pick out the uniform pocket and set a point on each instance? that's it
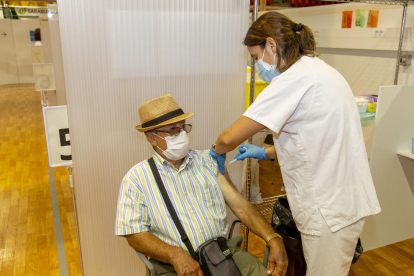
(279, 153)
(294, 153)
(295, 205)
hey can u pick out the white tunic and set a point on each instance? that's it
(319, 144)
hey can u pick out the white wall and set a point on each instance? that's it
(8, 66)
(365, 70)
(115, 59)
(22, 44)
(366, 62)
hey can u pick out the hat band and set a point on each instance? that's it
(163, 118)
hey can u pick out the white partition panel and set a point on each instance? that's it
(116, 58)
(392, 174)
(56, 54)
(47, 53)
(46, 43)
(23, 46)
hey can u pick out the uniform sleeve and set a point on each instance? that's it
(277, 103)
(132, 214)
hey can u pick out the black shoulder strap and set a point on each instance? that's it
(170, 208)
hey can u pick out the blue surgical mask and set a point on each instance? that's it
(265, 71)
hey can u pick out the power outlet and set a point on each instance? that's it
(316, 34)
(378, 33)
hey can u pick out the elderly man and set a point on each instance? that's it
(198, 194)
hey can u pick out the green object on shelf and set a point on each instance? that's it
(367, 118)
(360, 19)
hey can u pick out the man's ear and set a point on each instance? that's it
(151, 139)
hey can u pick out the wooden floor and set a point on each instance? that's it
(27, 237)
(394, 259)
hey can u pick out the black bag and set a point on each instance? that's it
(283, 223)
(358, 251)
(214, 256)
(285, 226)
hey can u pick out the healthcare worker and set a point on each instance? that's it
(317, 133)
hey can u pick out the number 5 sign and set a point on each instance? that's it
(44, 76)
(57, 136)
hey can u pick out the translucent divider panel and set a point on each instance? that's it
(120, 54)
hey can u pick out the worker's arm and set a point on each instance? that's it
(270, 152)
(153, 247)
(252, 218)
(236, 134)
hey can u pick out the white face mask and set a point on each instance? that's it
(177, 146)
(265, 71)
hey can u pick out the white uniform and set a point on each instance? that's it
(320, 147)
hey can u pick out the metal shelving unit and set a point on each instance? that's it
(402, 60)
(382, 2)
(265, 207)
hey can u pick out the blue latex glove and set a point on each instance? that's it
(221, 159)
(249, 150)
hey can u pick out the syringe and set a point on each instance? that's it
(234, 160)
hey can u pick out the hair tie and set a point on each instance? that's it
(298, 27)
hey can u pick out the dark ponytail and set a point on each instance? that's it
(292, 40)
(307, 42)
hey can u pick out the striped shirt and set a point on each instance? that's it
(193, 190)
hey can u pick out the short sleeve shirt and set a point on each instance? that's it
(193, 190)
(319, 144)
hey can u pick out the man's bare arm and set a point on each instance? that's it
(155, 248)
(243, 209)
(252, 218)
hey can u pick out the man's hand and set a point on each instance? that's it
(184, 265)
(278, 260)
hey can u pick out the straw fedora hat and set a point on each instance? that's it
(160, 112)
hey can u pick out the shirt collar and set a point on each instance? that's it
(160, 160)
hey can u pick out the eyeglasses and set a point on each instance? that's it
(176, 130)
